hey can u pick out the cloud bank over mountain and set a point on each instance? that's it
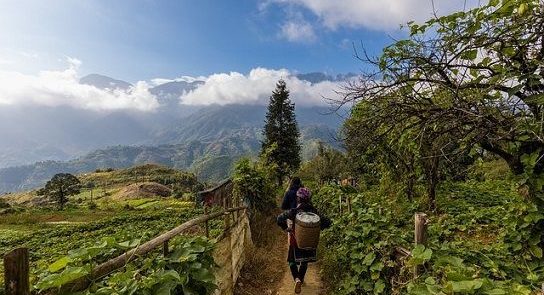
(256, 87)
(62, 88)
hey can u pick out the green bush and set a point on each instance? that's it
(3, 204)
(253, 185)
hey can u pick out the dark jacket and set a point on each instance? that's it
(295, 254)
(304, 207)
(290, 199)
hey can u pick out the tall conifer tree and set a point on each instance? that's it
(280, 143)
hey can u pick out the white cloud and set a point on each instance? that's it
(30, 55)
(298, 31)
(5, 61)
(58, 88)
(188, 79)
(383, 15)
(256, 87)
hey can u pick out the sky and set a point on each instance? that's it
(58, 41)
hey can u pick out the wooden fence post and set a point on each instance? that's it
(420, 234)
(340, 203)
(206, 223)
(165, 249)
(16, 268)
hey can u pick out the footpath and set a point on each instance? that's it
(267, 272)
(312, 282)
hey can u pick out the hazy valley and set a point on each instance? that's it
(40, 142)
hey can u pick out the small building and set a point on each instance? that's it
(220, 195)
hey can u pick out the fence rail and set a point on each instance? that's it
(16, 272)
(121, 260)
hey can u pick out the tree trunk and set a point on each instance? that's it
(433, 182)
(280, 181)
(61, 201)
(410, 188)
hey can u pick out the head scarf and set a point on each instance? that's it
(304, 194)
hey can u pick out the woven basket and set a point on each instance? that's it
(307, 229)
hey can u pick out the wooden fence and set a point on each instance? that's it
(229, 255)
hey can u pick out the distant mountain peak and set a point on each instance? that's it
(104, 82)
(317, 77)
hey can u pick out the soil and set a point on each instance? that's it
(312, 282)
(266, 271)
(143, 190)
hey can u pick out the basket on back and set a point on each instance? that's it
(307, 229)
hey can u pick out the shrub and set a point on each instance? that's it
(3, 204)
(252, 184)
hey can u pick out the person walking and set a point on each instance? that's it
(290, 197)
(297, 258)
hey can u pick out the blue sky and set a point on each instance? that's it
(144, 39)
(238, 48)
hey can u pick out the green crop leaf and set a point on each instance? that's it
(369, 258)
(466, 286)
(379, 287)
(537, 251)
(469, 54)
(59, 264)
(495, 291)
(522, 8)
(420, 255)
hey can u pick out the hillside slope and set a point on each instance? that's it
(206, 143)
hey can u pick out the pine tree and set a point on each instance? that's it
(281, 135)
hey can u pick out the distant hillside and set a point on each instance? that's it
(208, 145)
(38, 142)
(145, 181)
(29, 134)
(243, 121)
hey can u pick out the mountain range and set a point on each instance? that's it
(203, 139)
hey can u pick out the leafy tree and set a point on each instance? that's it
(61, 186)
(329, 164)
(468, 80)
(281, 131)
(374, 148)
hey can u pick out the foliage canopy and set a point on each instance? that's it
(61, 186)
(472, 79)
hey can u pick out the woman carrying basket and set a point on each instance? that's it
(298, 258)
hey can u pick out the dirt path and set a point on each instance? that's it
(312, 282)
(267, 273)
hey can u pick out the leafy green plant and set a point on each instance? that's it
(482, 241)
(187, 269)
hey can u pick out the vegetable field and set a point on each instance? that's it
(75, 244)
(480, 242)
